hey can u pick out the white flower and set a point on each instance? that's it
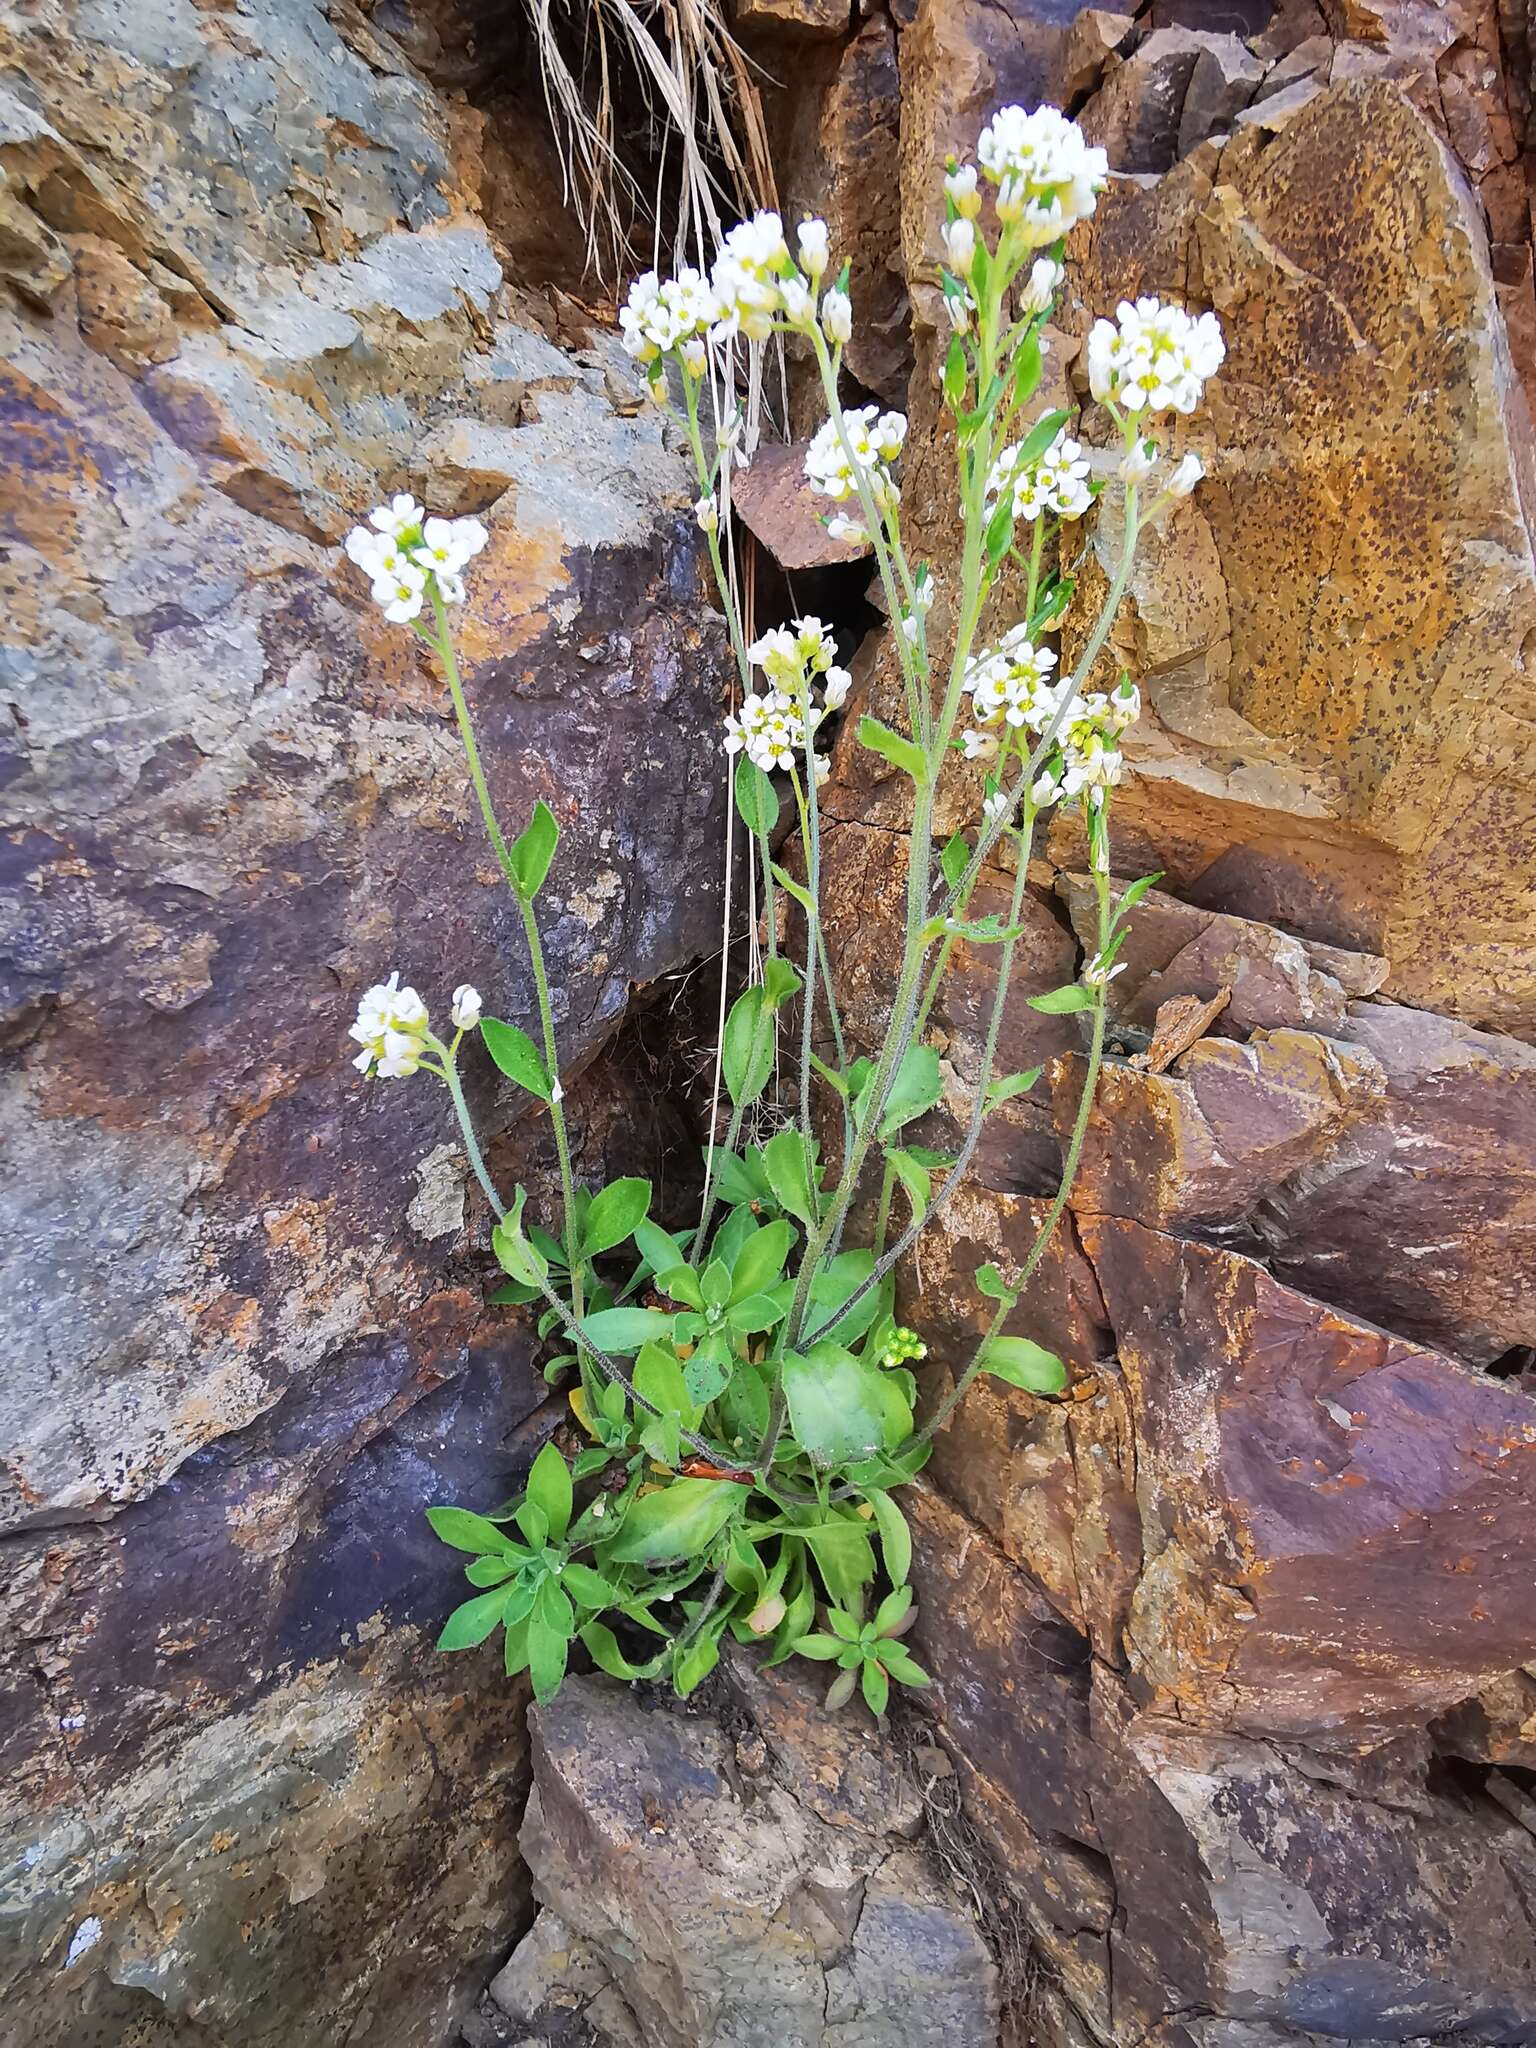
(1046, 790)
(658, 317)
(1153, 357)
(958, 308)
(747, 278)
(768, 729)
(923, 590)
(836, 685)
(451, 589)
(1055, 482)
(910, 629)
(1137, 462)
(960, 244)
(399, 516)
(400, 593)
(960, 185)
(849, 530)
(837, 316)
(466, 1007)
(1123, 707)
(1097, 975)
(994, 807)
(694, 356)
(707, 513)
(1047, 174)
(1011, 685)
(979, 746)
(823, 768)
(391, 1028)
(811, 240)
(799, 305)
(1045, 278)
(447, 544)
(1189, 472)
(875, 439)
(372, 552)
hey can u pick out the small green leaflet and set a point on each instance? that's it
(533, 850)
(992, 1284)
(1023, 1364)
(892, 747)
(517, 1056)
(1039, 437)
(785, 1164)
(1061, 1002)
(1009, 1085)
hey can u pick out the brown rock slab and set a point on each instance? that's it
(781, 511)
(1334, 1520)
(822, 19)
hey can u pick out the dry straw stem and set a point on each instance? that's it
(699, 92)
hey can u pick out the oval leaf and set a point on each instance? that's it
(680, 1520)
(835, 1405)
(516, 1055)
(1023, 1364)
(616, 1213)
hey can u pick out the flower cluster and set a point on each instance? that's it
(392, 1028)
(1047, 175)
(1012, 692)
(405, 556)
(772, 723)
(395, 1032)
(1055, 482)
(874, 441)
(1153, 357)
(677, 314)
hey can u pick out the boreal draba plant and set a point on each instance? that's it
(746, 1393)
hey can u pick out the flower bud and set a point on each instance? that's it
(1044, 281)
(837, 316)
(466, 1007)
(1010, 201)
(960, 185)
(960, 245)
(767, 1615)
(799, 306)
(1189, 472)
(812, 240)
(695, 357)
(707, 513)
(957, 306)
(1136, 463)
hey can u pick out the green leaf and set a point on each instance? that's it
(590, 1588)
(659, 1380)
(512, 1295)
(466, 1531)
(844, 1556)
(916, 1179)
(517, 1056)
(626, 1329)
(1023, 1364)
(983, 931)
(838, 1281)
(1061, 1002)
(954, 860)
(660, 1250)
(1026, 367)
(1010, 1085)
(794, 889)
(902, 1666)
(759, 1262)
(1133, 895)
(515, 1254)
(708, 1372)
(890, 746)
(746, 1047)
(757, 1313)
(616, 1213)
(780, 980)
(835, 1406)
(515, 1648)
(473, 1622)
(533, 850)
(715, 1283)
(877, 1689)
(492, 1571)
(784, 1161)
(534, 1523)
(893, 1609)
(548, 1651)
(679, 1520)
(681, 1283)
(603, 1648)
(549, 1488)
(895, 1537)
(1040, 437)
(955, 373)
(743, 1406)
(757, 800)
(695, 1663)
(916, 1089)
(992, 1284)
(821, 1649)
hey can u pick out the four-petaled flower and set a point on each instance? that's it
(408, 557)
(1153, 357)
(392, 1028)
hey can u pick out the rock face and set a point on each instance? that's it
(751, 1890)
(250, 290)
(1234, 1643)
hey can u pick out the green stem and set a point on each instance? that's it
(455, 1087)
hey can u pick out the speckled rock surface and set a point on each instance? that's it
(250, 288)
